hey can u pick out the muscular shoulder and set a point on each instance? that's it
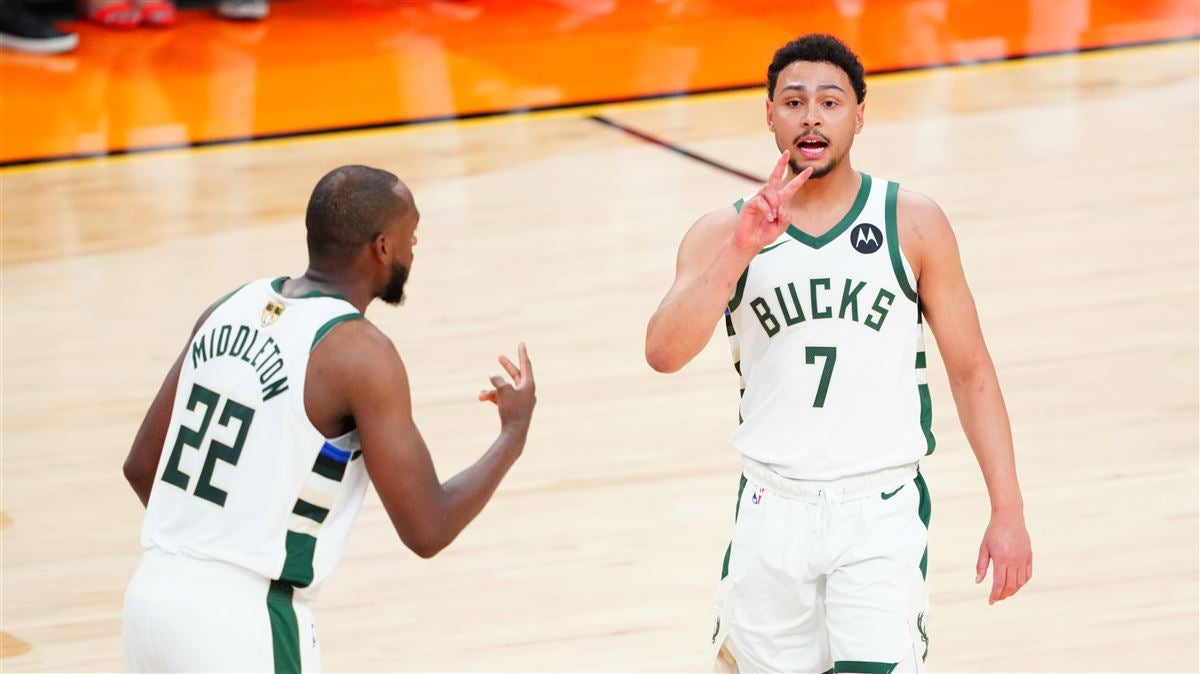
(715, 223)
(706, 236)
(357, 346)
(922, 227)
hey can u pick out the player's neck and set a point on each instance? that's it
(356, 293)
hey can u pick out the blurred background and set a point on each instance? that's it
(155, 155)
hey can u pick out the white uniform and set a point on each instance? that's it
(826, 569)
(251, 506)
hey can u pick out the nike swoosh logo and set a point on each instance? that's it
(890, 494)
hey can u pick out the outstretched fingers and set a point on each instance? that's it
(526, 364)
(776, 179)
(511, 369)
(795, 184)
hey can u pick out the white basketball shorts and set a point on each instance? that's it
(187, 615)
(826, 575)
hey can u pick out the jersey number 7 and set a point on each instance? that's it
(829, 353)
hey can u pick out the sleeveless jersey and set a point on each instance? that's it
(827, 338)
(244, 477)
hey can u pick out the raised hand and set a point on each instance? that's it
(765, 215)
(515, 400)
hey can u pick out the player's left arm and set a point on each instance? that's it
(949, 309)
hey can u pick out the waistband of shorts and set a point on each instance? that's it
(197, 570)
(843, 489)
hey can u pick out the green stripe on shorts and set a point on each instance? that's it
(863, 667)
(285, 631)
(736, 511)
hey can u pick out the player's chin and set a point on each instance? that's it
(821, 169)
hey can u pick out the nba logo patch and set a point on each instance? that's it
(757, 496)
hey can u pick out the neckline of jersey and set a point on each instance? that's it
(860, 200)
(277, 286)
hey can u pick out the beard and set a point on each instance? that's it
(818, 171)
(393, 293)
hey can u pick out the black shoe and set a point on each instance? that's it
(22, 31)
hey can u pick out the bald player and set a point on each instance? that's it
(254, 457)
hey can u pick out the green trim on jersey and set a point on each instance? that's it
(926, 418)
(736, 511)
(864, 190)
(924, 510)
(309, 511)
(285, 630)
(277, 286)
(331, 324)
(893, 239)
(739, 289)
(863, 667)
(298, 562)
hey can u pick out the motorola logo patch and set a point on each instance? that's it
(866, 238)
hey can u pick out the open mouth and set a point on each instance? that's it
(812, 147)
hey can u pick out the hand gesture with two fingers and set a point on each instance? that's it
(515, 400)
(765, 215)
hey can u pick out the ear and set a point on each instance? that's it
(770, 116)
(380, 248)
(858, 117)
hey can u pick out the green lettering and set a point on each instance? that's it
(246, 353)
(763, 312)
(239, 341)
(876, 322)
(850, 300)
(827, 312)
(788, 318)
(270, 371)
(223, 341)
(254, 363)
(199, 351)
(274, 388)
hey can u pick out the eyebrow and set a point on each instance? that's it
(820, 87)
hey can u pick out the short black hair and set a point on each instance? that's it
(821, 48)
(349, 207)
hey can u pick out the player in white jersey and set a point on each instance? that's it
(824, 277)
(254, 456)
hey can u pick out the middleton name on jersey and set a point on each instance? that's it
(224, 342)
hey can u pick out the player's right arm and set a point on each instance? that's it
(713, 254)
(141, 465)
(365, 371)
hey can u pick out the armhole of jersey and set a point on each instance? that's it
(893, 239)
(741, 284)
(331, 324)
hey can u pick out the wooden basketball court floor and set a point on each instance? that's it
(1072, 184)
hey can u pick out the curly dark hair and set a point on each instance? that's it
(821, 48)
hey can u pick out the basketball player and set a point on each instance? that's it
(255, 455)
(824, 277)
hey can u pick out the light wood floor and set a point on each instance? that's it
(1072, 184)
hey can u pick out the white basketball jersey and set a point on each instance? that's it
(244, 476)
(826, 335)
